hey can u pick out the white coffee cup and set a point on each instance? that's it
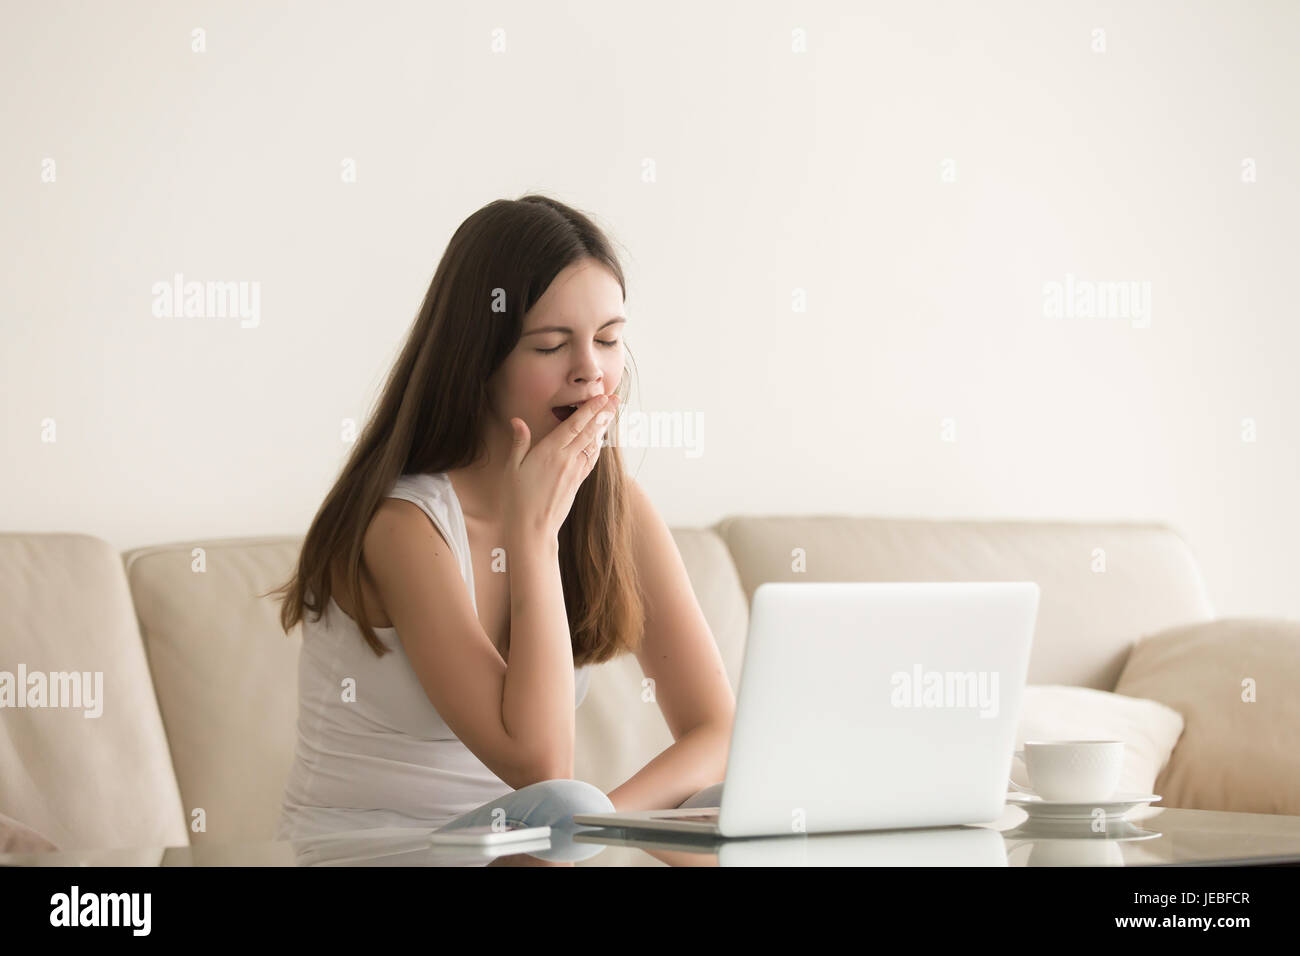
(1074, 770)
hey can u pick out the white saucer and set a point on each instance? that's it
(1116, 806)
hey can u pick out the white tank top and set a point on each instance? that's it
(386, 759)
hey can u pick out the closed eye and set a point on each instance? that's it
(608, 345)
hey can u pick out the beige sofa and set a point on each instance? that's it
(199, 684)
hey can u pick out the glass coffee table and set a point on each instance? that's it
(1148, 836)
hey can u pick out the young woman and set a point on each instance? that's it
(481, 551)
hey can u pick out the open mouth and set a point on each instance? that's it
(563, 411)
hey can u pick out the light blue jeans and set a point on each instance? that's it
(552, 803)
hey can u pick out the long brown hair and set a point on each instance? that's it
(431, 416)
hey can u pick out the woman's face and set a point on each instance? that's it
(584, 355)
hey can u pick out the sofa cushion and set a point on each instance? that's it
(226, 675)
(1148, 728)
(85, 782)
(1234, 681)
(1101, 585)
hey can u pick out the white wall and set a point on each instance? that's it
(775, 171)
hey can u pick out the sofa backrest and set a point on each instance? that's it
(225, 674)
(1102, 586)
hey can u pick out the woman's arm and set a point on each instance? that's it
(690, 684)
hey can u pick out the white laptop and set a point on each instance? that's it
(868, 706)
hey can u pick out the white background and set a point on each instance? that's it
(774, 171)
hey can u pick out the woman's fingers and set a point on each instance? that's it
(590, 418)
(592, 451)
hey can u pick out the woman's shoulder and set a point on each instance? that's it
(432, 493)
